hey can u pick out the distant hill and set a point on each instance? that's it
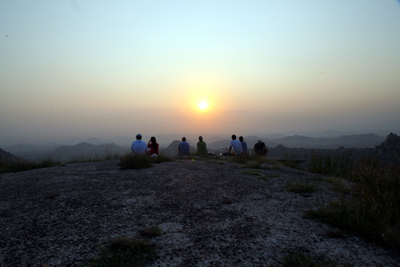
(7, 157)
(86, 149)
(32, 152)
(347, 141)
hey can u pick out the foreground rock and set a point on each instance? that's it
(211, 214)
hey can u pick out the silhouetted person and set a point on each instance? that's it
(152, 145)
(138, 146)
(244, 145)
(184, 147)
(201, 147)
(260, 148)
(237, 146)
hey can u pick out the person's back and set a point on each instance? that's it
(184, 147)
(244, 144)
(153, 146)
(260, 148)
(138, 146)
(237, 146)
(201, 147)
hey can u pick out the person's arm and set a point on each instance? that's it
(132, 147)
(229, 152)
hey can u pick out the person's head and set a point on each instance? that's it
(233, 137)
(241, 138)
(138, 137)
(259, 141)
(200, 138)
(153, 142)
(183, 139)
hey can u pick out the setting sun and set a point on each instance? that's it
(203, 105)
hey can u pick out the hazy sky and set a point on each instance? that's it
(86, 68)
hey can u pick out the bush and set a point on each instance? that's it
(25, 165)
(333, 165)
(124, 252)
(141, 161)
(299, 187)
(252, 161)
(137, 161)
(373, 209)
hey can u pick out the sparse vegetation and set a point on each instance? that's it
(252, 164)
(299, 187)
(151, 231)
(253, 172)
(372, 211)
(162, 158)
(52, 160)
(141, 161)
(339, 185)
(289, 160)
(334, 165)
(266, 177)
(25, 165)
(124, 252)
(256, 162)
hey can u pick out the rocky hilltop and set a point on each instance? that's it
(212, 213)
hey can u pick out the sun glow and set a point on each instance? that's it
(203, 105)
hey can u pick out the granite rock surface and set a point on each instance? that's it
(212, 214)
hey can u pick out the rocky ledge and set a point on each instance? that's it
(212, 214)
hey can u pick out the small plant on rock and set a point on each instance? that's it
(137, 161)
(298, 187)
(125, 252)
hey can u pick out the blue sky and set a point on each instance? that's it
(102, 68)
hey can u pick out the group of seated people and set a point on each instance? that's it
(239, 147)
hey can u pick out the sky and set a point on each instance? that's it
(96, 68)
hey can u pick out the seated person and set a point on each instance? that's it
(237, 146)
(260, 148)
(244, 145)
(138, 146)
(184, 147)
(201, 147)
(153, 146)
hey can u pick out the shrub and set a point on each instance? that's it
(253, 161)
(252, 164)
(162, 158)
(373, 209)
(334, 165)
(141, 161)
(289, 160)
(124, 252)
(137, 161)
(298, 187)
(25, 165)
